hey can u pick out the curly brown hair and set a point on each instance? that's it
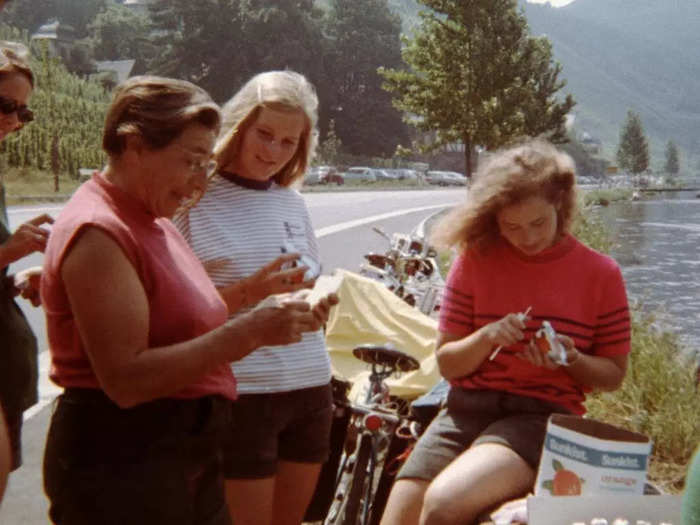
(506, 177)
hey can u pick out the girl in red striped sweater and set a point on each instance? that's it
(515, 255)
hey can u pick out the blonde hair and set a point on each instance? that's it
(157, 109)
(14, 58)
(279, 90)
(506, 177)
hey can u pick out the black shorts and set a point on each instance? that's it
(159, 462)
(472, 417)
(292, 426)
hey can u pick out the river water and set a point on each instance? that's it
(657, 243)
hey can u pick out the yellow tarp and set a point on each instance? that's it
(368, 312)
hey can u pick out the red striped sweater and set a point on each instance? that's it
(580, 291)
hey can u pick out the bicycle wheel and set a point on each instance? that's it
(353, 500)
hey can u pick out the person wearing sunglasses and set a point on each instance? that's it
(18, 347)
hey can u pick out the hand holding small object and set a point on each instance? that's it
(522, 317)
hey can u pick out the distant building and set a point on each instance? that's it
(591, 144)
(60, 37)
(118, 70)
(140, 6)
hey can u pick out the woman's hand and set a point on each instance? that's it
(537, 357)
(282, 324)
(30, 237)
(322, 309)
(27, 284)
(504, 332)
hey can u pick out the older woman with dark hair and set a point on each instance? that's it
(18, 349)
(138, 334)
(518, 266)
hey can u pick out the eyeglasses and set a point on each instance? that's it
(9, 106)
(202, 165)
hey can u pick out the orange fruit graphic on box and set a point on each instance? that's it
(565, 482)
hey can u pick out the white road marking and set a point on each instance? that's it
(48, 390)
(328, 230)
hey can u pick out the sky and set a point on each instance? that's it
(555, 3)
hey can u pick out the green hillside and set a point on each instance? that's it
(624, 54)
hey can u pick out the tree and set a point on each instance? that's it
(476, 76)
(119, 33)
(219, 44)
(633, 150)
(329, 150)
(203, 42)
(672, 166)
(364, 35)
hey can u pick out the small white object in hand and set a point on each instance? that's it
(521, 316)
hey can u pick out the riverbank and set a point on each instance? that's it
(659, 397)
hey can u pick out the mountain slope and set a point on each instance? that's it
(629, 54)
(624, 54)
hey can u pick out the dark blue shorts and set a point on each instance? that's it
(292, 426)
(472, 417)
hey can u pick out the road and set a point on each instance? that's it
(342, 221)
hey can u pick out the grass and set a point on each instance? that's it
(23, 185)
(603, 197)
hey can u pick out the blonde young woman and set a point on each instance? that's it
(18, 350)
(516, 255)
(249, 216)
(138, 334)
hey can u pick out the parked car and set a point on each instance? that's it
(323, 175)
(445, 178)
(312, 176)
(330, 175)
(408, 174)
(382, 174)
(359, 174)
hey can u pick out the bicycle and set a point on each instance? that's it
(373, 425)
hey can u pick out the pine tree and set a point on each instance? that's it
(477, 77)
(672, 165)
(633, 150)
(329, 149)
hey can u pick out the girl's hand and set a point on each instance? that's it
(505, 331)
(537, 357)
(273, 279)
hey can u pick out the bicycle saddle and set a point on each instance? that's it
(385, 356)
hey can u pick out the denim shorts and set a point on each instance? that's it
(291, 426)
(158, 462)
(472, 417)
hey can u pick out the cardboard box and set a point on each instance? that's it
(586, 457)
(566, 510)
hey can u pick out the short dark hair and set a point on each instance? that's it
(157, 109)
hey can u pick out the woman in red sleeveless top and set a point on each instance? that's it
(138, 334)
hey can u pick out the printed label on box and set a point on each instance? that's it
(586, 457)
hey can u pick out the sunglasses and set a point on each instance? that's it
(9, 106)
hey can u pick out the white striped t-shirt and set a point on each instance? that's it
(235, 231)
